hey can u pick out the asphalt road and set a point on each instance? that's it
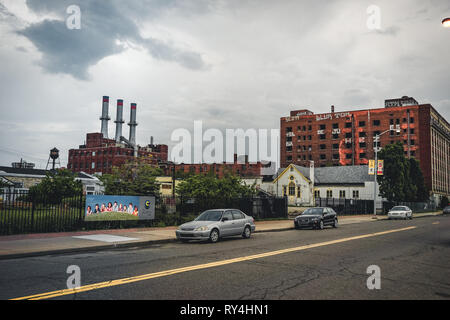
(414, 264)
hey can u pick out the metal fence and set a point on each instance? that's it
(22, 212)
(257, 207)
(347, 206)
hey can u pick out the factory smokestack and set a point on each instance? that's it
(105, 118)
(119, 120)
(133, 124)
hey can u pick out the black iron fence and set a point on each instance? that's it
(347, 206)
(23, 212)
(257, 207)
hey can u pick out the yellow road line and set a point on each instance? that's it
(437, 222)
(118, 282)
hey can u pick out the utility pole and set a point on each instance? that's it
(376, 143)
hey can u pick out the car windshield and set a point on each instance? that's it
(210, 215)
(398, 209)
(313, 211)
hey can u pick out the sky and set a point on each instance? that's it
(231, 64)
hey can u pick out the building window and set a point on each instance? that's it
(362, 134)
(336, 156)
(284, 190)
(323, 146)
(292, 189)
(341, 193)
(323, 157)
(348, 135)
(362, 155)
(322, 127)
(322, 136)
(309, 137)
(335, 146)
(335, 136)
(316, 193)
(355, 194)
(376, 122)
(289, 148)
(298, 192)
(348, 124)
(348, 156)
(411, 120)
(335, 125)
(329, 193)
(93, 165)
(362, 123)
(288, 129)
(362, 145)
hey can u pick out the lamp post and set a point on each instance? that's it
(375, 148)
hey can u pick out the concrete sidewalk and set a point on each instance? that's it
(27, 245)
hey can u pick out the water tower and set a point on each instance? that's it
(53, 159)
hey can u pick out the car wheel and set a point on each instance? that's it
(321, 225)
(247, 232)
(335, 225)
(214, 236)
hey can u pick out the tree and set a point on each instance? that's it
(212, 188)
(392, 182)
(132, 178)
(56, 185)
(402, 179)
(416, 177)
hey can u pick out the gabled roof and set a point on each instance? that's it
(334, 175)
(9, 171)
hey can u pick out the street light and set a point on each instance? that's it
(446, 23)
(376, 142)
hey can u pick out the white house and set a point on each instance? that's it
(303, 185)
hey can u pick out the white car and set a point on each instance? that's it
(400, 212)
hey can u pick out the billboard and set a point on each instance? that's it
(110, 207)
(371, 167)
(380, 167)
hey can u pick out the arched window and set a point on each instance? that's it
(292, 189)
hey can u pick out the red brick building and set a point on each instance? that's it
(244, 169)
(99, 155)
(347, 138)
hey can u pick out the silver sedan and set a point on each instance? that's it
(215, 224)
(400, 212)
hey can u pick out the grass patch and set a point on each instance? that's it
(108, 216)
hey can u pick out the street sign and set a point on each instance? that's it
(380, 167)
(371, 167)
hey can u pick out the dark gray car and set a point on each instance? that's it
(316, 218)
(215, 224)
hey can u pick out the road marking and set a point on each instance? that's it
(105, 284)
(437, 222)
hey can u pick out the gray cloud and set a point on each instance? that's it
(102, 24)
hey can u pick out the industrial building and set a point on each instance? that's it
(347, 138)
(100, 153)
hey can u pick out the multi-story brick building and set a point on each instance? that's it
(99, 155)
(244, 168)
(347, 138)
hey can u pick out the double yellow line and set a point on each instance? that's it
(165, 273)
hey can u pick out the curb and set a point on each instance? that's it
(137, 244)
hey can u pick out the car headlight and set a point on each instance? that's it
(204, 228)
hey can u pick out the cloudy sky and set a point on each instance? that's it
(232, 64)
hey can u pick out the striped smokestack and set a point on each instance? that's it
(119, 120)
(133, 124)
(105, 118)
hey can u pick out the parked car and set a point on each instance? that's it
(446, 210)
(316, 218)
(400, 212)
(215, 224)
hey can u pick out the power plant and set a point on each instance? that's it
(99, 153)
